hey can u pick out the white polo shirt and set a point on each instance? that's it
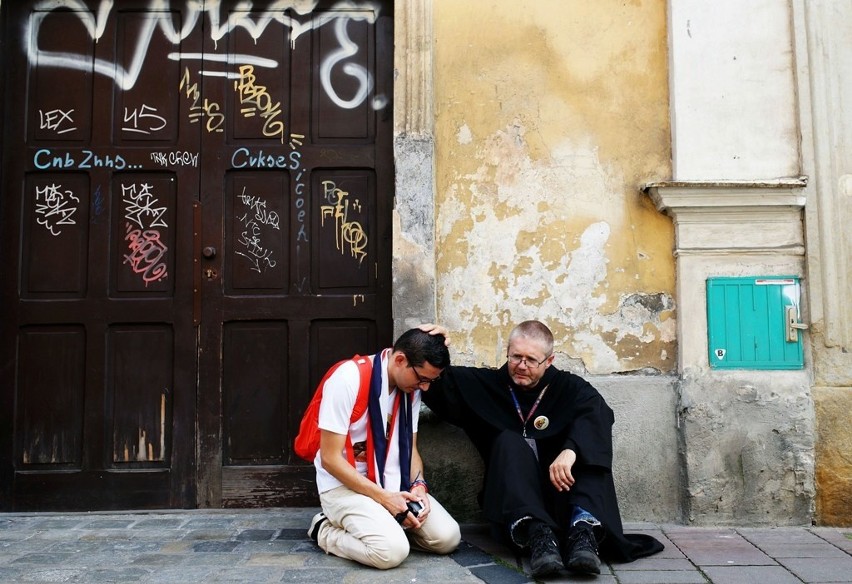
(338, 401)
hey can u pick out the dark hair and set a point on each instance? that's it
(419, 347)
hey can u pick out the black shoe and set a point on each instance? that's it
(581, 550)
(544, 558)
(316, 522)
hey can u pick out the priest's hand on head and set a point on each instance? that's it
(435, 329)
(560, 470)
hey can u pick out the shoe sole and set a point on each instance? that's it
(548, 568)
(313, 529)
(585, 564)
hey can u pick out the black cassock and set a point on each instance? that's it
(574, 415)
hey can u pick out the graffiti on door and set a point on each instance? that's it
(143, 217)
(55, 206)
(57, 120)
(349, 235)
(256, 24)
(249, 76)
(251, 243)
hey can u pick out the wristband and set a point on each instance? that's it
(420, 482)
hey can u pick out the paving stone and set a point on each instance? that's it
(10, 574)
(58, 523)
(750, 575)
(77, 547)
(314, 575)
(109, 524)
(207, 534)
(255, 534)
(838, 538)
(52, 575)
(401, 573)
(159, 523)
(308, 547)
(180, 575)
(820, 569)
(157, 560)
(655, 563)
(215, 546)
(659, 577)
(498, 574)
(43, 559)
(686, 531)
(26, 545)
(278, 546)
(467, 555)
(210, 523)
(176, 547)
(800, 550)
(254, 574)
(779, 534)
(290, 533)
(112, 575)
(723, 550)
(276, 559)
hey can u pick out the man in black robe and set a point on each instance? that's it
(545, 437)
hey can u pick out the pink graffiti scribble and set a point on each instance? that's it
(146, 251)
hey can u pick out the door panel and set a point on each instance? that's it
(139, 366)
(51, 403)
(255, 370)
(258, 230)
(195, 223)
(56, 226)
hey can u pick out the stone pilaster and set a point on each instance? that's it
(746, 436)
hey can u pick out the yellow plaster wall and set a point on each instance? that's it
(833, 455)
(550, 114)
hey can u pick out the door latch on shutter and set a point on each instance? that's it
(792, 324)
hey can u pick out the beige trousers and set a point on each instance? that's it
(360, 529)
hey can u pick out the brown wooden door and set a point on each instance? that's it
(194, 223)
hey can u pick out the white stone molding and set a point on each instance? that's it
(734, 216)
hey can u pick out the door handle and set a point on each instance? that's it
(209, 252)
(792, 326)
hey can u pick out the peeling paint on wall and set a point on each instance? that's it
(544, 134)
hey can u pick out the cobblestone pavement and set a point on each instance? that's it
(271, 545)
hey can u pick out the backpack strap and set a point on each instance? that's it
(365, 368)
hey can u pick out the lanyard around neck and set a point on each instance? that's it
(532, 409)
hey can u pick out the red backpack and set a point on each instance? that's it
(307, 441)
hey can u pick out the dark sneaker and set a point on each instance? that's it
(316, 522)
(544, 552)
(581, 550)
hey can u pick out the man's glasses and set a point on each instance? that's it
(421, 379)
(528, 361)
